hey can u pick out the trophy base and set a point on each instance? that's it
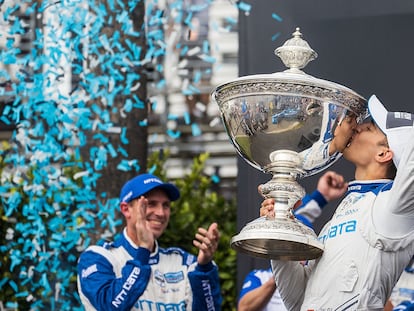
(279, 239)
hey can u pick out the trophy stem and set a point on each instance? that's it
(282, 237)
(283, 187)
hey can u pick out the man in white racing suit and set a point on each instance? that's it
(134, 273)
(370, 238)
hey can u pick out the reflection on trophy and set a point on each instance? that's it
(285, 124)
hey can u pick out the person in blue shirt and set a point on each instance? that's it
(134, 273)
(407, 305)
(259, 292)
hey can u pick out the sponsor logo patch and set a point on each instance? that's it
(174, 277)
(126, 287)
(159, 278)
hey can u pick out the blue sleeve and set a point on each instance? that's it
(250, 283)
(311, 208)
(103, 289)
(316, 196)
(205, 284)
(303, 219)
(405, 305)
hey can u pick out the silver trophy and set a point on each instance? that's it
(284, 124)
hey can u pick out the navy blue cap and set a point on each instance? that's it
(144, 183)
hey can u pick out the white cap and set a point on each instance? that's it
(397, 126)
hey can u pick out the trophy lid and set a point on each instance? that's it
(295, 54)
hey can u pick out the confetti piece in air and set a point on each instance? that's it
(208, 58)
(161, 84)
(244, 6)
(277, 17)
(152, 138)
(187, 118)
(151, 170)
(123, 137)
(128, 165)
(194, 51)
(195, 129)
(143, 122)
(275, 36)
(111, 150)
(172, 116)
(12, 305)
(173, 134)
(215, 179)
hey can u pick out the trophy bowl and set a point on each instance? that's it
(284, 124)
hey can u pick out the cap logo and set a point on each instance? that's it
(150, 180)
(398, 119)
(403, 115)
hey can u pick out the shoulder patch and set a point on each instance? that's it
(89, 270)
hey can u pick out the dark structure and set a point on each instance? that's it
(363, 45)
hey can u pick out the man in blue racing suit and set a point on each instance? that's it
(134, 273)
(370, 238)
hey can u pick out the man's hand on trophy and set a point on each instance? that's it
(332, 185)
(267, 208)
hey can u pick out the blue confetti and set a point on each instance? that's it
(275, 36)
(215, 179)
(3, 281)
(172, 116)
(244, 6)
(123, 137)
(143, 122)
(277, 17)
(187, 118)
(173, 134)
(111, 150)
(12, 305)
(195, 129)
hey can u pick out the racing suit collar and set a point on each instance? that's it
(363, 186)
(131, 247)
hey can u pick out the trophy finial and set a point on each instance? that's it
(297, 33)
(296, 53)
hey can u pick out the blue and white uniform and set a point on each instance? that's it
(403, 292)
(257, 278)
(123, 276)
(367, 244)
(405, 306)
